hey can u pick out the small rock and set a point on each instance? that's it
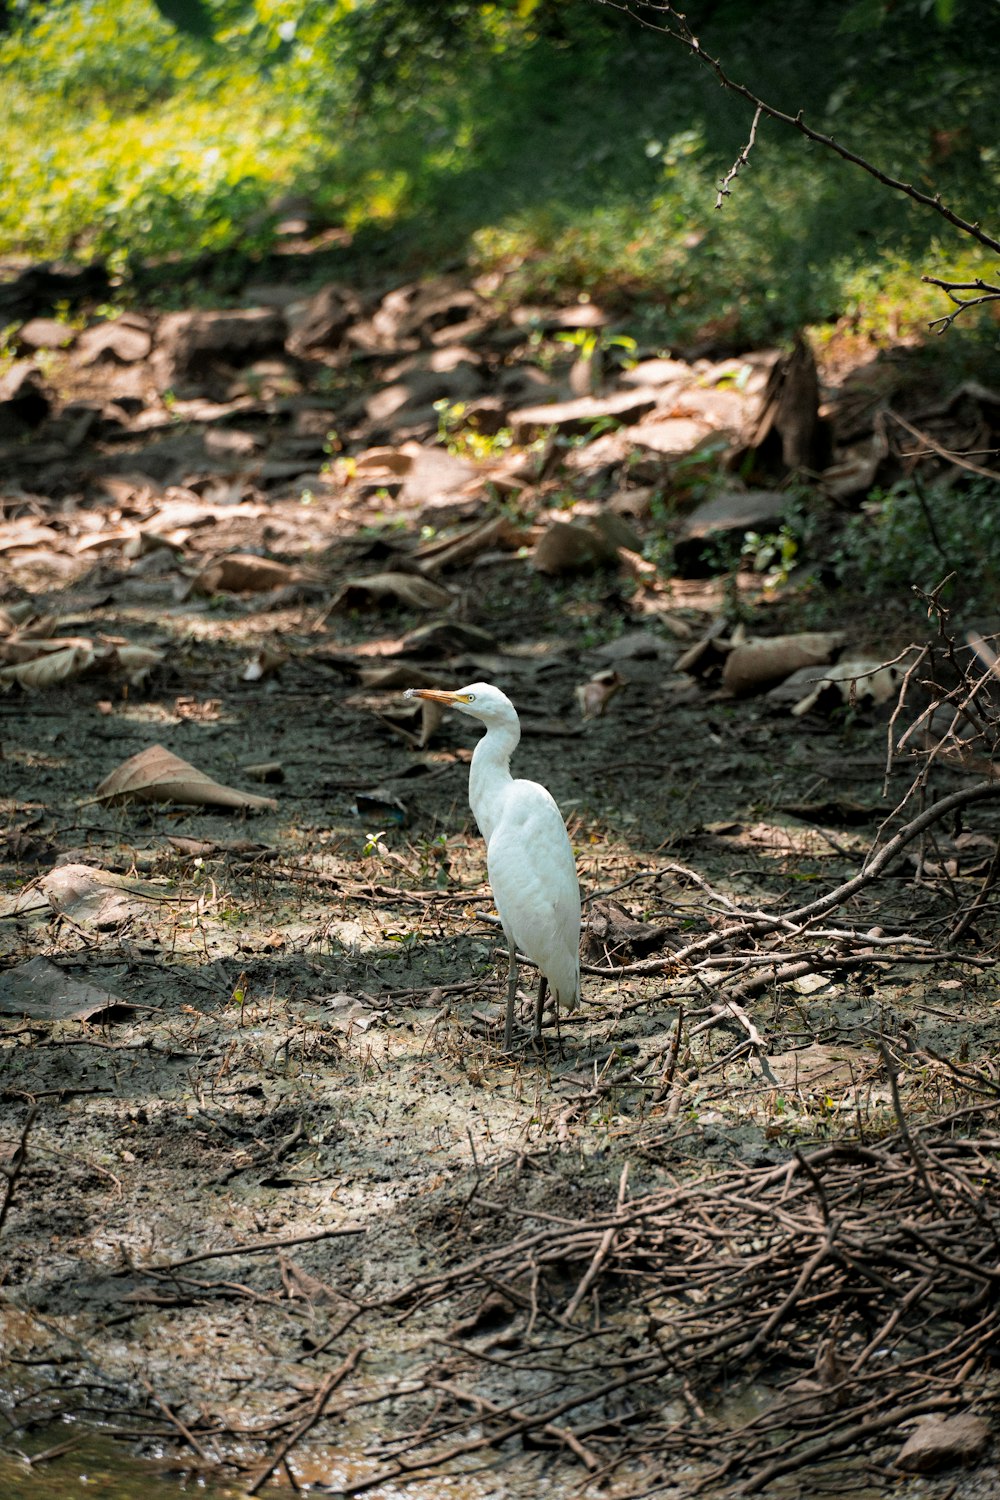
(123, 341)
(940, 1441)
(44, 333)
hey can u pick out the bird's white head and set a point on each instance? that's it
(480, 700)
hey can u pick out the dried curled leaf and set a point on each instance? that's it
(264, 663)
(49, 668)
(595, 696)
(396, 588)
(454, 551)
(157, 775)
(22, 647)
(37, 664)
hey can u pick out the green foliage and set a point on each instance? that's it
(914, 535)
(121, 136)
(459, 432)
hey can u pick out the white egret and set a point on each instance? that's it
(529, 858)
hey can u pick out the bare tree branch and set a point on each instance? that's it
(933, 446)
(989, 294)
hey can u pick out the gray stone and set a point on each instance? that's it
(941, 1441)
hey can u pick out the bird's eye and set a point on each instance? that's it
(470, 697)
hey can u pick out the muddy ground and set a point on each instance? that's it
(279, 1210)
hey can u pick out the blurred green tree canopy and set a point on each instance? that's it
(558, 139)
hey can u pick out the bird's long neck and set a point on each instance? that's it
(489, 775)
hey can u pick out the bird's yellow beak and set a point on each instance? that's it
(438, 695)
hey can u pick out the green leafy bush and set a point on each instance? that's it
(914, 535)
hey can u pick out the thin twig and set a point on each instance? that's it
(254, 1247)
(743, 160)
(175, 1420)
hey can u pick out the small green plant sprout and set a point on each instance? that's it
(734, 380)
(773, 554)
(459, 432)
(239, 995)
(591, 342)
(374, 845)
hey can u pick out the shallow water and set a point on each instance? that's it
(97, 1468)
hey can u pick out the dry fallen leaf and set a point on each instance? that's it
(244, 573)
(20, 622)
(39, 988)
(397, 588)
(448, 552)
(48, 668)
(756, 664)
(595, 695)
(96, 898)
(16, 616)
(37, 664)
(156, 775)
(15, 535)
(264, 663)
(21, 647)
(379, 461)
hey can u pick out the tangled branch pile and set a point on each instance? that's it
(855, 1286)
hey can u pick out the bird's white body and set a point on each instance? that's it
(529, 858)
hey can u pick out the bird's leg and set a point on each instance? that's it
(508, 1030)
(543, 985)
